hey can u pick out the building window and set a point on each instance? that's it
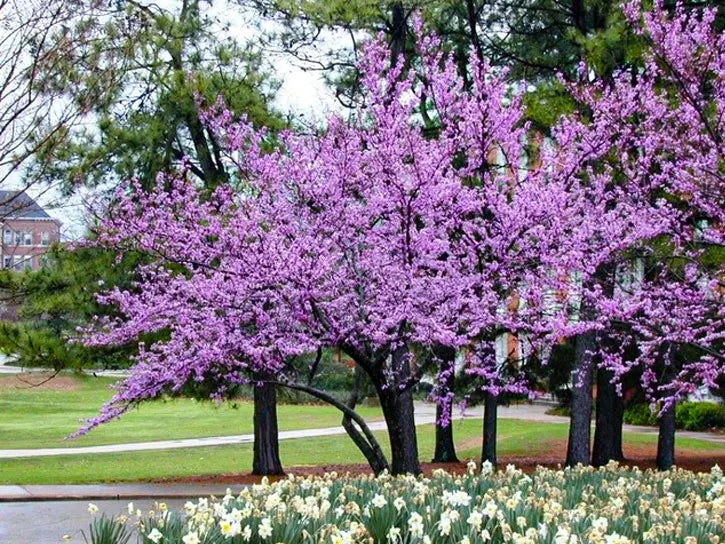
(45, 238)
(28, 263)
(7, 261)
(18, 238)
(7, 237)
(18, 262)
(28, 238)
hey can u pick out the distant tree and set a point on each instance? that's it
(43, 98)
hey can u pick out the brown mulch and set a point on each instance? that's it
(642, 456)
(38, 381)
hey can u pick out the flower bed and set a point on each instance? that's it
(610, 505)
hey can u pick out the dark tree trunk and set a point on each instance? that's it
(372, 452)
(266, 440)
(608, 431)
(579, 447)
(445, 450)
(360, 434)
(666, 439)
(398, 32)
(473, 28)
(618, 426)
(399, 416)
(490, 409)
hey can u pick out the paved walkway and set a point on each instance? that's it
(424, 415)
(11, 369)
(97, 492)
(48, 522)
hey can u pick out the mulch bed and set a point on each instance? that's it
(38, 381)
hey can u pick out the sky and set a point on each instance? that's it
(303, 94)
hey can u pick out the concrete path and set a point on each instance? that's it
(50, 522)
(424, 415)
(12, 369)
(97, 492)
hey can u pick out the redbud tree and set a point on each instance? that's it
(656, 135)
(372, 236)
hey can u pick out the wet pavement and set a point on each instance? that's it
(48, 522)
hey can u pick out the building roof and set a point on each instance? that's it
(17, 204)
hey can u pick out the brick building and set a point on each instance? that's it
(27, 231)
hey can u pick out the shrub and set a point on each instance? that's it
(640, 414)
(700, 416)
(691, 416)
(581, 505)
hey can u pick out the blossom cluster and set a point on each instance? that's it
(611, 505)
(375, 238)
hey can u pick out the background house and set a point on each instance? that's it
(27, 231)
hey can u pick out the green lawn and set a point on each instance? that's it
(516, 437)
(36, 418)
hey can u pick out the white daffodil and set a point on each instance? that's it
(475, 519)
(265, 529)
(415, 525)
(379, 501)
(600, 524)
(191, 538)
(92, 509)
(155, 536)
(393, 534)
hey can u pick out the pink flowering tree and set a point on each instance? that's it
(372, 237)
(654, 135)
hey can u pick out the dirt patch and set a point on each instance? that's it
(642, 456)
(38, 381)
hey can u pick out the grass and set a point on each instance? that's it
(40, 418)
(516, 437)
(35, 418)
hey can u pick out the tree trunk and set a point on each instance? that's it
(490, 409)
(266, 439)
(618, 425)
(445, 450)
(398, 32)
(372, 452)
(363, 437)
(399, 416)
(608, 431)
(579, 447)
(666, 439)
